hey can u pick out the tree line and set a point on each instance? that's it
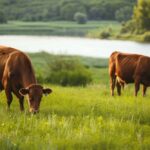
(140, 22)
(46, 10)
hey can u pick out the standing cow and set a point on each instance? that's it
(17, 76)
(122, 68)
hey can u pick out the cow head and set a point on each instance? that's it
(35, 93)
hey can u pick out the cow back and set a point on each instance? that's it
(126, 65)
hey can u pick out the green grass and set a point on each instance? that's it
(113, 28)
(78, 118)
(92, 29)
(53, 27)
(93, 64)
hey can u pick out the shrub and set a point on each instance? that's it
(129, 26)
(68, 73)
(40, 78)
(146, 37)
(105, 34)
(80, 18)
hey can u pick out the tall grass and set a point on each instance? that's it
(79, 118)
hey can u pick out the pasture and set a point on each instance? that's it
(78, 118)
(69, 28)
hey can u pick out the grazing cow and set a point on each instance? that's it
(122, 68)
(17, 76)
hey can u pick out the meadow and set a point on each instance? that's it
(69, 28)
(92, 29)
(79, 118)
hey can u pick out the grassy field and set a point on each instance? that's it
(78, 118)
(54, 27)
(92, 29)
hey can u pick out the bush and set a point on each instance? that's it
(40, 78)
(105, 34)
(146, 37)
(129, 26)
(68, 73)
(80, 18)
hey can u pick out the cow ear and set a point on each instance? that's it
(47, 91)
(23, 91)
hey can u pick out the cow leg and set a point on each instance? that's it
(144, 90)
(9, 97)
(118, 88)
(112, 85)
(7, 92)
(21, 102)
(137, 85)
(20, 97)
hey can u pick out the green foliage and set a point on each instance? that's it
(80, 18)
(45, 10)
(67, 72)
(139, 26)
(124, 13)
(146, 37)
(110, 27)
(128, 27)
(41, 59)
(69, 9)
(141, 15)
(140, 22)
(2, 18)
(105, 34)
(105, 10)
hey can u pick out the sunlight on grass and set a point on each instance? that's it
(78, 118)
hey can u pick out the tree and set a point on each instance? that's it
(141, 14)
(2, 17)
(68, 11)
(124, 14)
(80, 18)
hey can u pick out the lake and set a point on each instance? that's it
(73, 45)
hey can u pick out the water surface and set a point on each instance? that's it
(73, 45)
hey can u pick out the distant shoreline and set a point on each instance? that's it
(92, 29)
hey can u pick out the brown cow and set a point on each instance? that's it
(114, 80)
(122, 68)
(112, 71)
(142, 73)
(17, 76)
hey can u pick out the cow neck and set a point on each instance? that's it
(28, 80)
